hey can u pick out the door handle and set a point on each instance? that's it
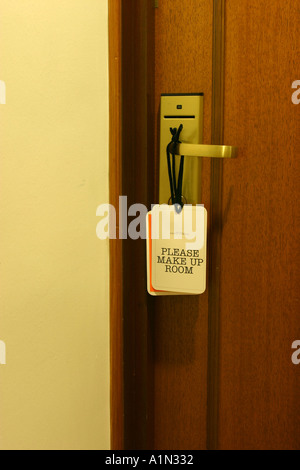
(186, 110)
(210, 151)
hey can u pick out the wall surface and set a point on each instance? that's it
(54, 272)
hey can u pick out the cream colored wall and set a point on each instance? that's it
(54, 283)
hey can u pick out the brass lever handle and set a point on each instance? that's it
(212, 151)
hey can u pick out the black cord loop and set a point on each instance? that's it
(175, 187)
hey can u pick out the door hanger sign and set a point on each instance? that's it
(176, 250)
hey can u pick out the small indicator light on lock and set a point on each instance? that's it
(179, 106)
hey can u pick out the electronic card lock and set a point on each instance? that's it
(187, 111)
(177, 226)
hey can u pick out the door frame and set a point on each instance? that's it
(115, 188)
(131, 93)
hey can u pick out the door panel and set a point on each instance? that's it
(259, 310)
(183, 57)
(259, 300)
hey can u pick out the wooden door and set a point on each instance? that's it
(259, 297)
(225, 379)
(183, 64)
(219, 370)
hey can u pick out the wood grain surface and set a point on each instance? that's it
(183, 64)
(215, 232)
(259, 386)
(115, 188)
(137, 185)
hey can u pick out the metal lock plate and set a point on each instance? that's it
(185, 109)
